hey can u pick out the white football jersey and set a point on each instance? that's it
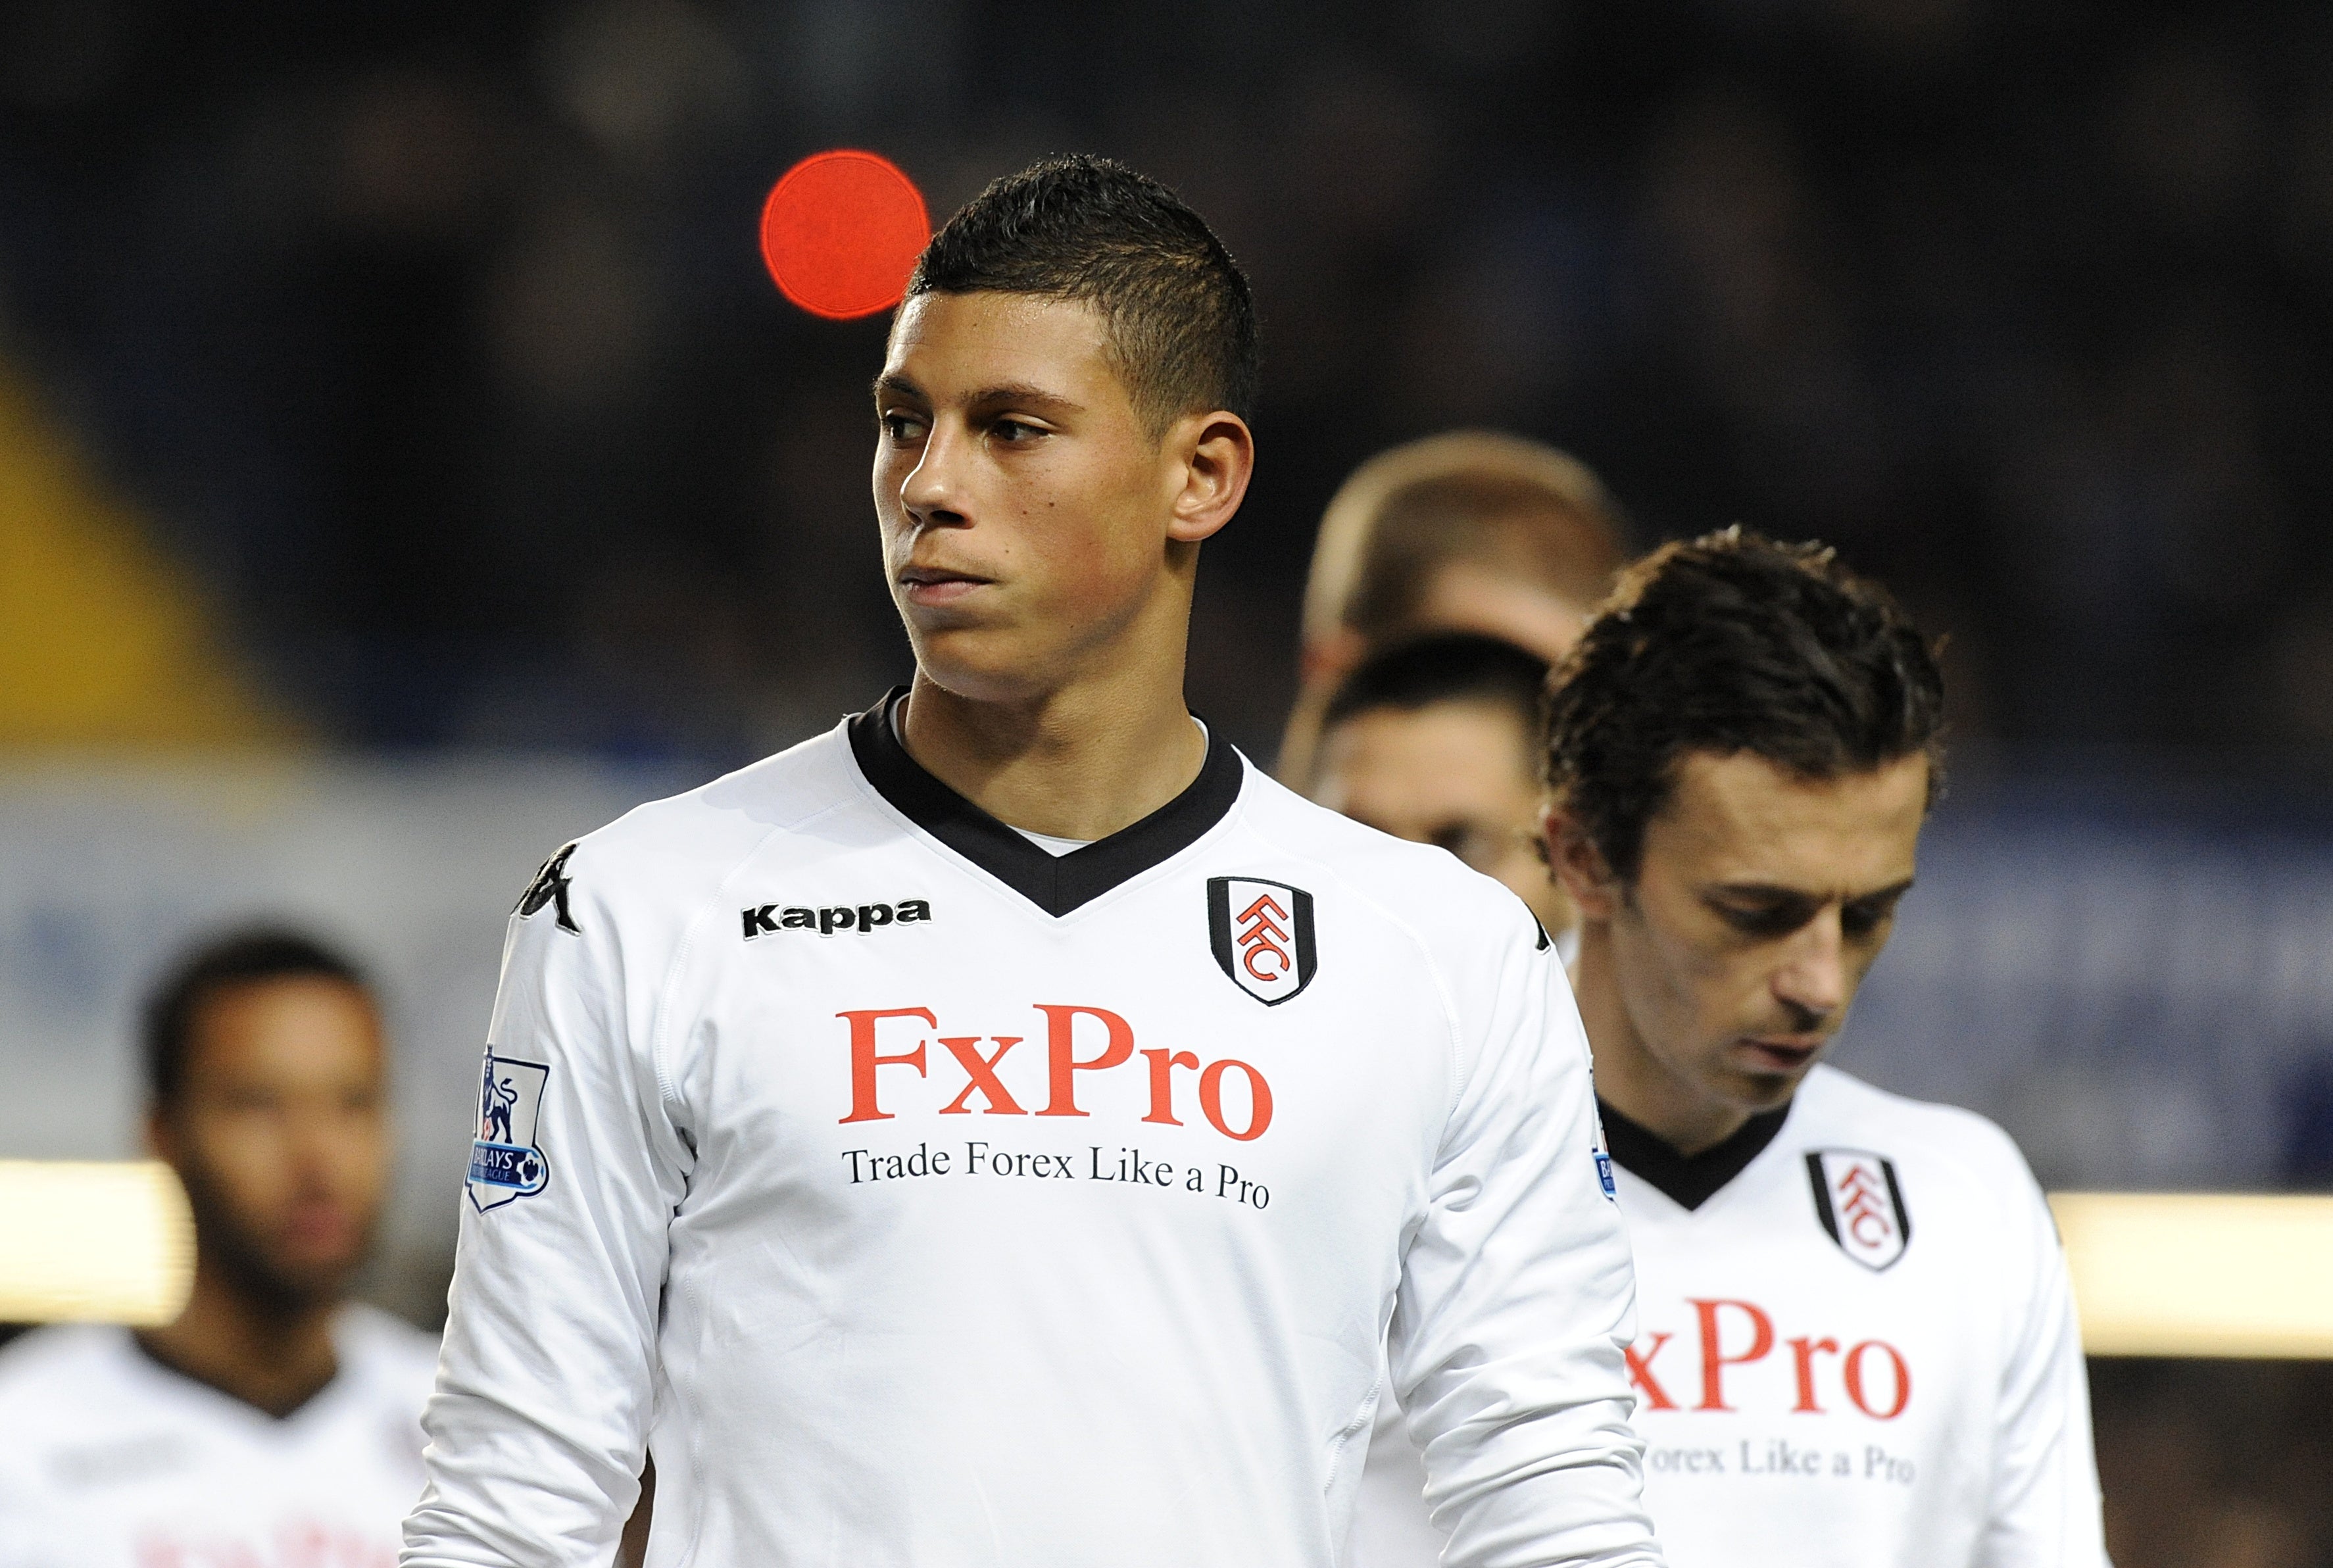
(919, 1197)
(1856, 1348)
(111, 1459)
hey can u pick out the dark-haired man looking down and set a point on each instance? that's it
(1856, 1348)
(999, 1131)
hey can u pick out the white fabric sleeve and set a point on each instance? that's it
(2046, 1510)
(538, 1427)
(1518, 1295)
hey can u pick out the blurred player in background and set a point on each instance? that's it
(275, 1422)
(1468, 531)
(998, 1131)
(1855, 1344)
(1436, 741)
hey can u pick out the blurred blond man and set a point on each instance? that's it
(1466, 531)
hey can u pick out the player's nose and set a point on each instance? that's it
(933, 490)
(1815, 979)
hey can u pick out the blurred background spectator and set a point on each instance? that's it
(393, 407)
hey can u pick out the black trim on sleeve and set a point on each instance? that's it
(1056, 884)
(1692, 1180)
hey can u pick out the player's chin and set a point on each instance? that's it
(1764, 1079)
(299, 1277)
(985, 663)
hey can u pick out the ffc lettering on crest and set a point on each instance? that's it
(1262, 933)
(505, 1162)
(1860, 1204)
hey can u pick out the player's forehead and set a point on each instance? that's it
(1741, 819)
(953, 348)
(1460, 757)
(1461, 737)
(284, 1029)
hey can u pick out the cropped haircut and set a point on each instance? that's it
(1734, 643)
(1510, 504)
(1180, 319)
(239, 959)
(1448, 667)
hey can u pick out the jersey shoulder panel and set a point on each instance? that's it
(1843, 1109)
(654, 872)
(386, 1348)
(695, 838)
(56, 1367)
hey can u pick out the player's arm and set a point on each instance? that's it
(2045, 1505)
(537, 1431)
(1517, 1294)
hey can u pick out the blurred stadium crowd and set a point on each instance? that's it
(430, 341)
(436, 336)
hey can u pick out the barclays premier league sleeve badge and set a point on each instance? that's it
(504, 1163)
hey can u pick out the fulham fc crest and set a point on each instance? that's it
(1262, 936)
(1860, 1204)
(504, 1163)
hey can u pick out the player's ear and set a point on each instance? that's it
(1577, 865)
(1215, 453)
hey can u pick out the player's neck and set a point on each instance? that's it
(1079, 763)
(1628, 1076)
(272, 1357)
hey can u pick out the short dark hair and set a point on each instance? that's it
(1447, 666)
(1181, 319)
(236, 959)
(1734, 643)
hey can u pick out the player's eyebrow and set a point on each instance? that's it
(1024, 394)
(1776, 891)
(1021, 394)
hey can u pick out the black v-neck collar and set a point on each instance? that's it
(1692, 1180)
(1056, 884)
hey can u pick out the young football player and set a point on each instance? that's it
(1468, 531)
(274, 1421)
(1855, 1344)
(1436, 741)
(1002, 1130)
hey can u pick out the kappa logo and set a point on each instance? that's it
(1860, 1204)
(768, 919)
(1262, 933)
(550, 886)
(505, 1163)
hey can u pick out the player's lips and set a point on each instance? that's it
(320, 1229)
(936, 587)
(1783, 1053)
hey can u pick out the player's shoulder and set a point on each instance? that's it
(378, 1339)
(388, 1354)
(1422, 887)
(61, 1367)
(1835, 1106)
(684, 842)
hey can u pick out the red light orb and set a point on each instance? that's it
(842, 232)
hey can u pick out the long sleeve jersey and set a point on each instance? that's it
(1857, 1351)
(917, 1196)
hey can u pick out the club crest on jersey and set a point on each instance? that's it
(1262, 933)
(1860, 1204)
(504, 1162)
